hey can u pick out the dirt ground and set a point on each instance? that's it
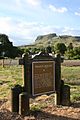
(51, 112)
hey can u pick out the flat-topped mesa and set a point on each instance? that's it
(65, 36)
(48, 36)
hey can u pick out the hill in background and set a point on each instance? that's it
(52, 39)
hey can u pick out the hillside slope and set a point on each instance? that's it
(51, 39)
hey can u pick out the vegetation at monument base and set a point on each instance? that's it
(12, 75)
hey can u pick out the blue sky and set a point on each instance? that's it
(24, 20)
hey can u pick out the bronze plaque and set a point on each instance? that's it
(43, 77)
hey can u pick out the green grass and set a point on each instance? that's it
(71, 76)
(75, 93)
(12, 75)
(9, 76)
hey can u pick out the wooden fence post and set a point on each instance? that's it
(57, 79)
(3, 62)
(24, 97)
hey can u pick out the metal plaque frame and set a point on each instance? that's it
(43, 70)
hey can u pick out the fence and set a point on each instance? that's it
(9, 61)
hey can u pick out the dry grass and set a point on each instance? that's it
(41, 107)
(9, 76)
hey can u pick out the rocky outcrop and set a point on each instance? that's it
(48, 36)
(53, 35)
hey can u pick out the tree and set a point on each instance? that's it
(76, 53)
(7, 47)
(4, 42)
(70, 46)
(73, 53)
(4, 39)
(69, 54)
(48, 49)
(35, 50)
(60, 48)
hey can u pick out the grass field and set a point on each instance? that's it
(12, 75)
(71, 76)
(9, 76)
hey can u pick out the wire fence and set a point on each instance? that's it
(15, 61)
(9, 62)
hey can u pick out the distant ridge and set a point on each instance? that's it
(51, 39)
(48, 36)
(52, 35)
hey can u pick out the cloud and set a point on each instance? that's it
(18, 3)
(71, 31)
(23, 32)
(77, 13)
(58, 10)
(27, 3)
(5, 24)
(67, 30)
(34, 2)
(14, 29)
(19, 30)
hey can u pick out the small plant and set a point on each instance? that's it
(38, 106)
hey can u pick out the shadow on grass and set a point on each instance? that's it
(40, 115)
(78, 83)
(34, 115)
(4, 82)
(76, 104)
(2, 101)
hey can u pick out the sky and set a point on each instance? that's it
(24, 20)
